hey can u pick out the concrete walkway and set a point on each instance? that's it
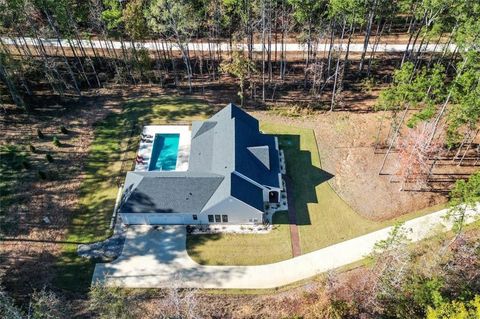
(155, 258)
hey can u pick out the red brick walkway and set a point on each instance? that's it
(292, 218)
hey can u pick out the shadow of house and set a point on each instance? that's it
(303, 173)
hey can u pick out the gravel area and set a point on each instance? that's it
(108, 249)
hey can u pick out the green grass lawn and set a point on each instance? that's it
(111, 155)
(243, 249)
(323, 217)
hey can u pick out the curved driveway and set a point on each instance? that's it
(157, 258)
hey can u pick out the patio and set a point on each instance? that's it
(146, 145)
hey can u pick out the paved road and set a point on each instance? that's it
(223, 46)
(156, 258)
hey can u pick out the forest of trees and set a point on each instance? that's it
(318, 25)
(428, 106)
(441, 88)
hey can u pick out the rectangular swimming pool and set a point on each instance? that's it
(164, 152)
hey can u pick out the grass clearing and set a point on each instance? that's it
(323, 217)
(243, 249)
(111, 155)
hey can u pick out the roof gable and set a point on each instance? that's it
(246, 191)
(205, 127)
(253, 165)
(261, 153)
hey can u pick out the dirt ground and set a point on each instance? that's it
(346, 143)
(42, 209)
(345, 140)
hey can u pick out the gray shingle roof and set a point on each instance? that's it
(249, 164)
(168, 192)
(223, 148)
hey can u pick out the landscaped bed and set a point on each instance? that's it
(243, 249)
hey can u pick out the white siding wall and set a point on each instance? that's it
(238, 212)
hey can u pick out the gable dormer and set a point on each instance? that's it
(262, 153)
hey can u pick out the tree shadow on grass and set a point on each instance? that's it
(305, 175)
(115, 138)
(238, 247)
(196, 241)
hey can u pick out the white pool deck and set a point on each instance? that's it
(146, 145)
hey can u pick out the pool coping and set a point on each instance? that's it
(145, 148)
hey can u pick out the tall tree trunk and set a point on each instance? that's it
(368, 32)
(16, 97)
(57, 34)
(332, 103)
(394, 138)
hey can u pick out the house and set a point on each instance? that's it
(233, 172)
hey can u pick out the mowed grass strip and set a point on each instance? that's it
(243, 249)
(111, 155)
(323, 217)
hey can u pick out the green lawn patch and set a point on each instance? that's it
(111, 155)
(243, 249)
(323, 217)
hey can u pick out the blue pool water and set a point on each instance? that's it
(164, 152)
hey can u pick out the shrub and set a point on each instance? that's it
(63, 130)
(42, 175)
(26, 164)
(32, 148)
(56, 142)
(49, 158)
(40, 134)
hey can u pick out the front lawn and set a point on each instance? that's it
(243, 249)
(111, 155)
(323, 217)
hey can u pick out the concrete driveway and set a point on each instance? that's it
(156, 258)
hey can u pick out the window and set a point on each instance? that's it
(217, 218)
(224, 218)
(195, 217)
(210, 218)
